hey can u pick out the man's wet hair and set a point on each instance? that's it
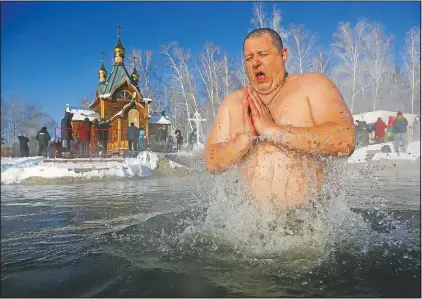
(275, 37)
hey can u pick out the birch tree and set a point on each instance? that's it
(181, 76)
(240, 72)
(321, 62)
(149, 82)
(412, 62)
(349, 47)
(378, 47)
(301, 44)
(210, 72)
(259, 19)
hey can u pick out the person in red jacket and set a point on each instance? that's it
(84, 137)
(379, 128)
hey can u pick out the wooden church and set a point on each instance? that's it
(119, 99)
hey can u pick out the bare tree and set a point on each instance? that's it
(259, 18)
(86, 101)
(412, 62)
(349, 47)
(377, 51)
(21, 117)
(321, 62)
(276, 24)
(300, 48)
(149, 82)
(240, 72)
(208, 71)
(182, 80)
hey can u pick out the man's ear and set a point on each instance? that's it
(284, 54)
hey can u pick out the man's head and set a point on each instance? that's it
(265, 59)
(399, 113)
(132, 124)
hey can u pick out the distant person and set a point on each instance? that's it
(84, 137)
(66, 131)
(390, 129)
(132, 136)
(192, 137)
(163, 134)
(170, 144)
(416, 129)
(23, 145)
(104, 128)
(179, 140)
(59, 148)
(142, 138)
(362, 133)
(379, 128)
(400, 129)
(43, 139)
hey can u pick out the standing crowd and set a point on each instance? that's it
(396, 131)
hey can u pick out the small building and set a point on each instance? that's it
(159, 124)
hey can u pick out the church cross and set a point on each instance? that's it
(118, 30)
(102, 55)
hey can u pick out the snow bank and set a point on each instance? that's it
(361, 155)
(17, 170)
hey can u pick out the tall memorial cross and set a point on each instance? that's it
(197, 119)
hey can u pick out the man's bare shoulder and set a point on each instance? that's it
(233, 99)
(312, 79)
(315, 80)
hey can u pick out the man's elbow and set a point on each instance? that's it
(211, 164)
(347, 146)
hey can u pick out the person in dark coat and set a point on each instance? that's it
(400, 128)
(192, 137)
(179, 139)
(362, 133)
(59, 148)
(43, 138)
(23, 145)
(66, 130)
(103, 131)
(132, 135)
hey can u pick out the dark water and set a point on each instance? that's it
(171, 238)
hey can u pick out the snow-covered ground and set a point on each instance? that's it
(16, 170)
(360, 155)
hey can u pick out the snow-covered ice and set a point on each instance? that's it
(16, 170)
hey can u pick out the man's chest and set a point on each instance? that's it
(287, 109)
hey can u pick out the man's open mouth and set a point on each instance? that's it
(260, 76)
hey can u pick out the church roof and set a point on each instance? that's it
(117, 76)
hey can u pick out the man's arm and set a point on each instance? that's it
(221, 150)
(333, 131)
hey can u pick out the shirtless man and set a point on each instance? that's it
(277, 128)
